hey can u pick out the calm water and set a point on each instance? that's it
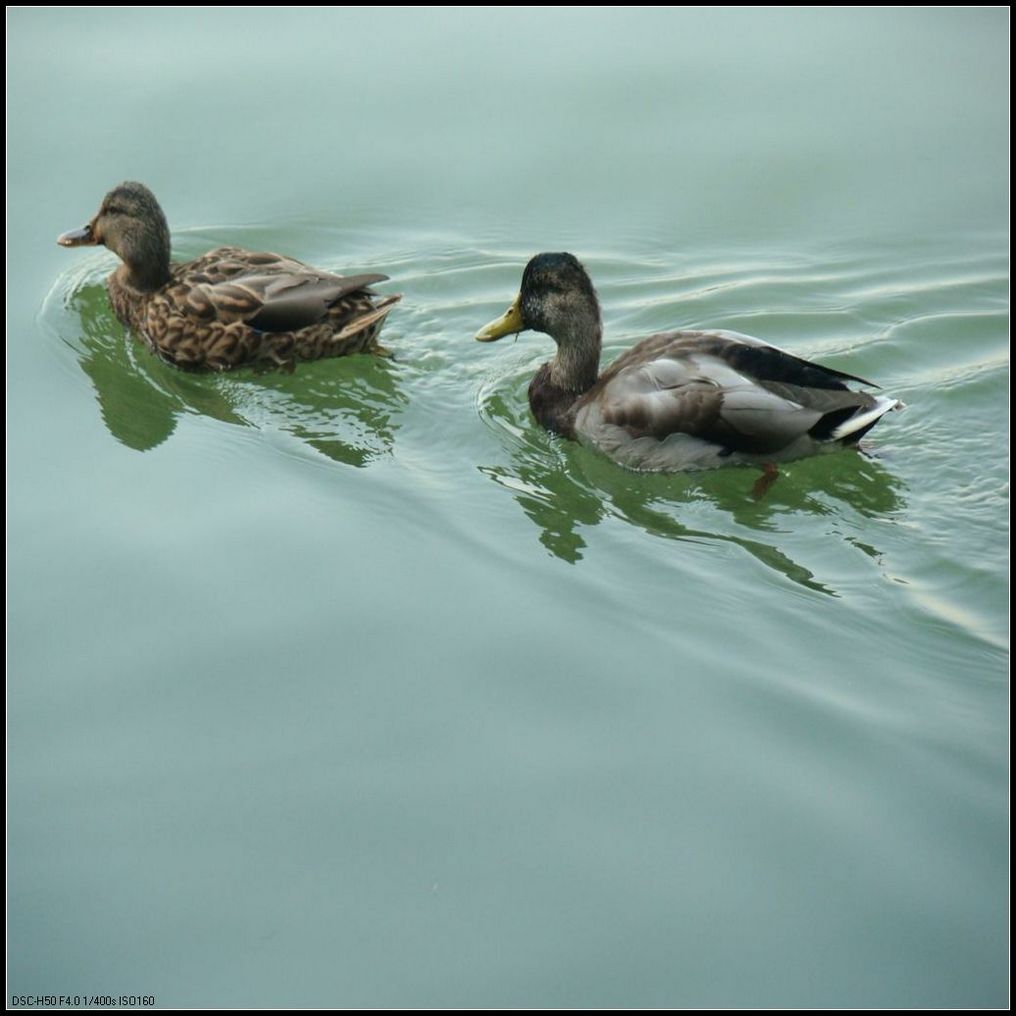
(352, 687)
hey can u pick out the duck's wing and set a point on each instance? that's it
(742, 397)
(760, 360)
(267, 291)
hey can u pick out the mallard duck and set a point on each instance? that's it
(678, 400)
(230, 306)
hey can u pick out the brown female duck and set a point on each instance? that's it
(678, 400)
(230, 306)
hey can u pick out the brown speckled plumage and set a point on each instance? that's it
(230, 306)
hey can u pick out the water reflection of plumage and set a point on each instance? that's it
(565, 489)
(344, 409)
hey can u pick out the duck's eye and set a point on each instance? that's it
(114, 210)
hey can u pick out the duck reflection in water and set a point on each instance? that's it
(565, 489)
(345, 409)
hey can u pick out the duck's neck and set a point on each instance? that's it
(145, 255)
(577, 364)
(147, 278)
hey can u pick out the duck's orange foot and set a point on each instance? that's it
(770, 474)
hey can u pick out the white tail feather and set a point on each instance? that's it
(860, 420)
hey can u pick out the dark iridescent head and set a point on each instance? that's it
(556, 294)
(132, 225)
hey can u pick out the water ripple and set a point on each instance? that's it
(933, 332)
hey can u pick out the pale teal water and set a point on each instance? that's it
(354, 688)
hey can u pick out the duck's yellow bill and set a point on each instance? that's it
(509, 323)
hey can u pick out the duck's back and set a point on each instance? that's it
(233, 306)
(686, 400)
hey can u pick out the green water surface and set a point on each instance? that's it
(351, 687)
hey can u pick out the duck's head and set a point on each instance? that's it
(556, 294)
(132, 225)
(557, 298)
